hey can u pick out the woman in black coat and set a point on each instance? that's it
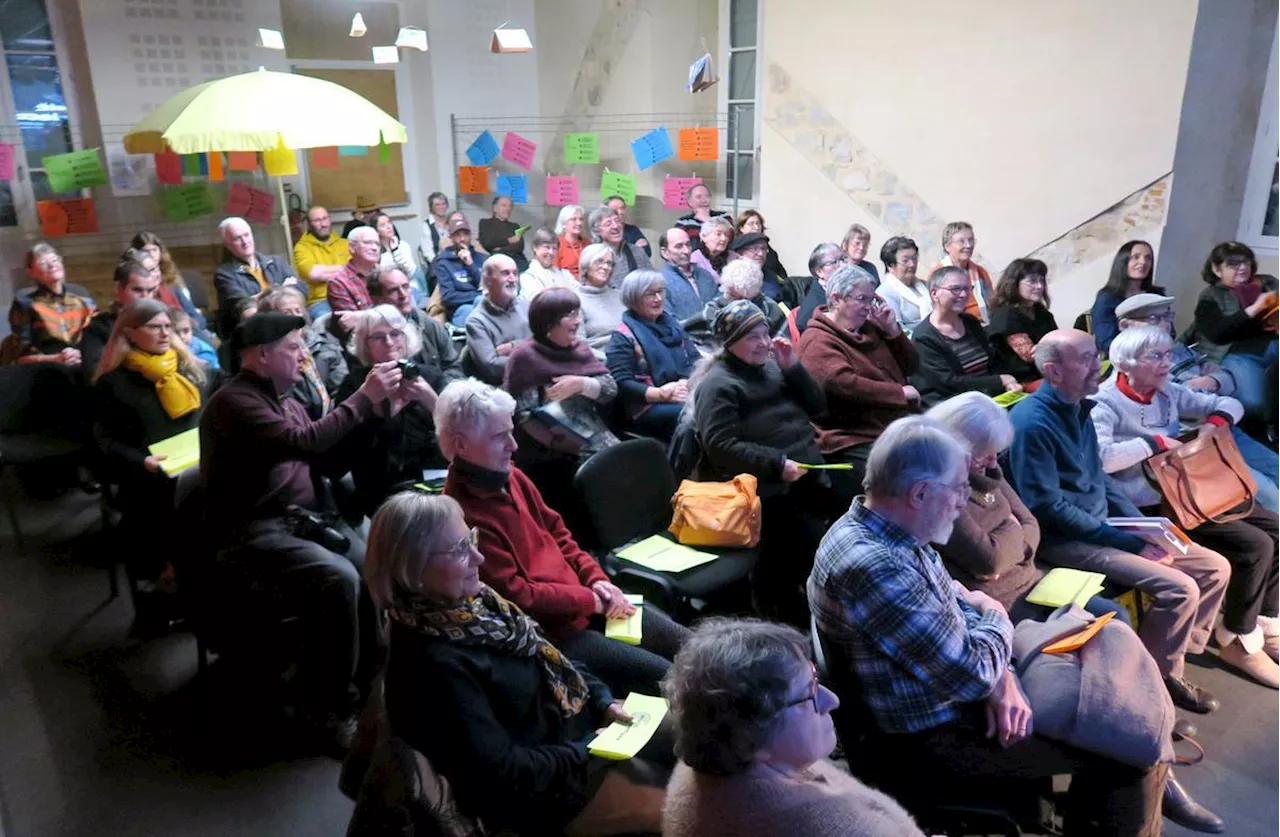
(1020, 318)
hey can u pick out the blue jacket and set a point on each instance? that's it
(1055, 466)
(682, 302)
(459, 284)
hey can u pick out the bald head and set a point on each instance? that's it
(675, 248)
(501, 279)
(1069, 361)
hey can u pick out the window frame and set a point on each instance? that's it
(1262, 167)
(729, 155)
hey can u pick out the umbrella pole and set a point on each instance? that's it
(288, 232)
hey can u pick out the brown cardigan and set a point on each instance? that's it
(862, 374)
(995, 535)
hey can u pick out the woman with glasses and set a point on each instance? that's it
(650, 356)
(1140, 412)
(711, 252)
(856, 243)
(955, 354)
(602, 307)
(753, 731)
(862, 358)
(1133, 271)
(906, 294)
(475, 685)
(1020, 317)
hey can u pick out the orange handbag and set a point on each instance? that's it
(717, 513)
(1204, 480)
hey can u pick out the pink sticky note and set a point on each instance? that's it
(519, 150)
(262, 207)
(562, 190)
(238, 199)
(675, 191)
(6, 161)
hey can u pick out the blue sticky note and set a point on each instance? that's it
(352, 151)
(653, 147)
(483, 150)
(514, 186)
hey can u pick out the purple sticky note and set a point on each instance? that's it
(519, 150)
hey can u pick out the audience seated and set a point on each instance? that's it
(861, 358)
(542, 272)
(1132, 272)
(498, 234)
(347, 290)
(1196, 372)
(530, 557)
(435, 229)
(755, 248)
(571, 227)
(324, 363)
(633, 234)
(247, 274)
(932, 660)
(958, 243)
(856, 245)
(955, 355)
(1235, 323)
(1056, 468)
(136, 277)
(700, 211)
(457, 271)
(183, 330)
(1020, 318)
(395, 252)
(825, 260)
(688, 287)
(741, 279)
(711, 251)
(602, 307)
(174, 291)
(753, 731)
(901, 288)
(606, 228)
(439, 361)
(651, 357)
(1139, 412)
(751, 221)
(554, 365)
(752, 410)
(319, 255)
(497, 323)
(48, 320)
(478, 688)
(362, 216)
(257, 453)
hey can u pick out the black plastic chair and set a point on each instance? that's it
(199, 290)
(627, 491)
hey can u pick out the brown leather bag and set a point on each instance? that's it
(1204, 480)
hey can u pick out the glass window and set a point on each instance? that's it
(41, 112)
(24, 26)
(1270, 223)
(741, 177)
(8, 212)
(742, 23)
(742, 136)
(742, 75)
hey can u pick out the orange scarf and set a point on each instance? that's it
(177, 395)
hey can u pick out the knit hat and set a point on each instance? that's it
(735, 320)
(264, 328)
(458, 224)
(745, 240)
(1137, 305)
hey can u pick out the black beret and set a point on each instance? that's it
(263, 328)
(745, 240)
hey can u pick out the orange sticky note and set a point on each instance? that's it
(216, 170)
(1078, 639)
(473, 180)
(280, 161)
(67, 217)
(242, 160)
(699, 143)
(324, 158)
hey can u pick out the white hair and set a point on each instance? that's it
(351, 236)
(1130, 344)
(369, 319)
(636, 284)
(741, 279)
(591, 254)
(567, 212)
(227, 223)
(467, 406)
(977, 419)
(911, 450)
(846, 278)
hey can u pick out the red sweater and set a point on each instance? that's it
(529, 555)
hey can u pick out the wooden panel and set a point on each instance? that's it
(361, 176)
(318, 29)
(95, 271)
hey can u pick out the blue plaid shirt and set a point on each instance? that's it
(886, 603)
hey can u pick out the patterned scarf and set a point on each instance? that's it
(177, 395)
(312, 373)
(489, 620)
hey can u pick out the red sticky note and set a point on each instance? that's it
(324, 158)
(216, 170)
(67, 217)
(242, 160)
(169, 168)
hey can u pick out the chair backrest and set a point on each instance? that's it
(793, 328)
(1084, 322)
(45, 398)
(627, 489)
(199, 291)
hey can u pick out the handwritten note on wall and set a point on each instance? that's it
(482, 151)
(514, 186)
(67, 217)
(615, 183)
(699, 143)
(253, 205)
(675, 191)
(519, 150)
(74, 171)
(583, 148)
(652, 148)
(562, 190)
(473, 180)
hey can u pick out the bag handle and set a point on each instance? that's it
(1184, 481)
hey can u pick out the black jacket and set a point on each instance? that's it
(439, 360)
(94, 339)
(1008, 320)
(940, 375)
(232, 279)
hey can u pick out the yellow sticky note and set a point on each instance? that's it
(181, 452)
(627, 628)
(280, 161)
(1064, 584)
(658, 553)
(622, 741)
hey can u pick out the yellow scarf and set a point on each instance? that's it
(177, 395)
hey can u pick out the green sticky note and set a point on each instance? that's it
(182, 203)
(1008, 399)
(74, 171)
(181, 452)
(622, 185)
(582, 148)
(384, 152)
(522, 230)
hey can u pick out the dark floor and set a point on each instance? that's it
(105, 735)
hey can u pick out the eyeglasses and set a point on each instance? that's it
(385, 336)
(658, 294)
(1156, 319)
(813, 692)
(960, 489)
(1156, 357)
(837, 260)
(461, 551)
(957, 290)
(907, 260)
(49, 261)
(1238, 261)
(158, 328)
(1035, 280)
(862, 299)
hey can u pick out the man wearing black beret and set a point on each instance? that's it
(257, 449)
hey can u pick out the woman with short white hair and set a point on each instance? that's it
(570, 226)
(743, 279)
(1139, 412)
(602, 307)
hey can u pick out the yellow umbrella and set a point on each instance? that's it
(263, 111)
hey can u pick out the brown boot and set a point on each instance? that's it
(1258, 665)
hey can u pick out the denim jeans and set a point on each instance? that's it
(1265, 465)
(460, 314)
(319, 309)
(1250, 371)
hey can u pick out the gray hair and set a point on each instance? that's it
(721, 221)
(823, 253)
(976, 419)
(597, 215)
(567, 212)
(467, 405)
(846, 278)
(727, 685)
(1132, 342)
(351, 236)
(911, 450)
(638, 283)
(591, 254)
(492, 264)
(228, 222)
(401, 535)
(940, 275)
(369, 319)
(743, 277)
